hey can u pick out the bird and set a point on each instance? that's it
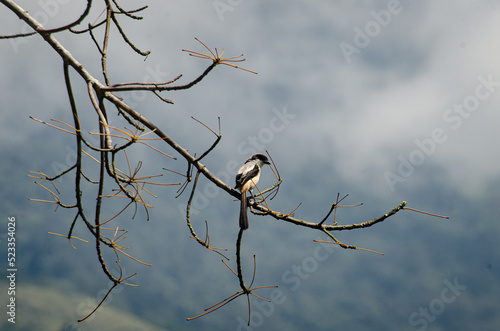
(246, 180)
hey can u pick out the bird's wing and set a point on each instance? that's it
(241, 179)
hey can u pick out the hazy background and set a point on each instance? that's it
(410, 114)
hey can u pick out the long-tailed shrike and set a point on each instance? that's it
(246, 180)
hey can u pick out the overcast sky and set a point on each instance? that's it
(390, 99)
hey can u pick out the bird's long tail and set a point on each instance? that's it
(243, 211)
